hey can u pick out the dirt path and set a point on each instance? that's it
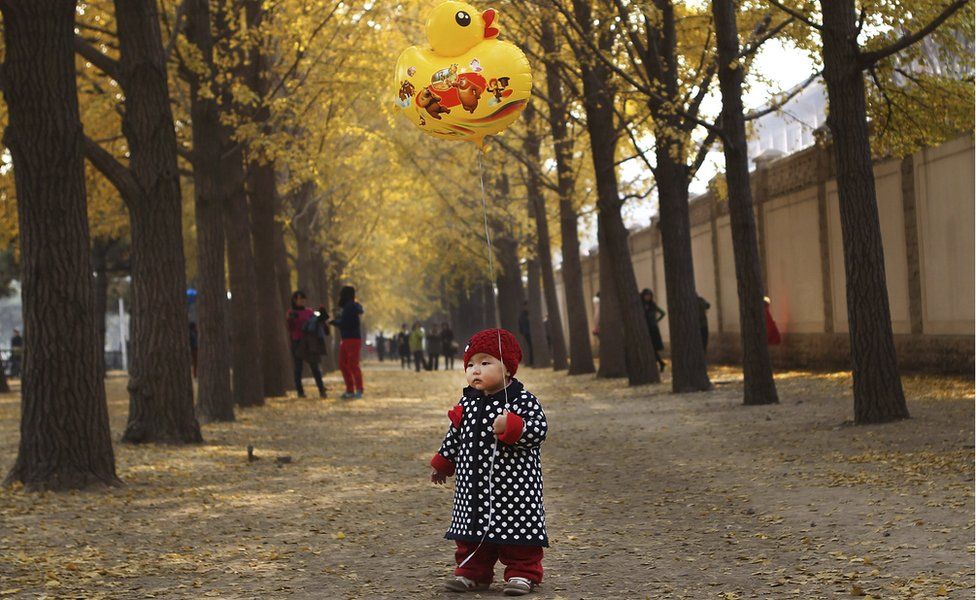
(649, 495)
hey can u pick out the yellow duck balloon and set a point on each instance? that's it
(467, 84)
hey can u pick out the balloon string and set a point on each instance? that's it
(498, 329)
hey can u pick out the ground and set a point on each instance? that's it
(648, 495)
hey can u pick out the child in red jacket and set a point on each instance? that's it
(492, 446)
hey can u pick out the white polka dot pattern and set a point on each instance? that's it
(518, 516)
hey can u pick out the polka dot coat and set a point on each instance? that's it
(515, 514)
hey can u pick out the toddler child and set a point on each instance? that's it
(492, 446)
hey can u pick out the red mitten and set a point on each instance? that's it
(514, 426)
(455, 415)
(442, 465)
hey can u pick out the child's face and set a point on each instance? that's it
(485, 372)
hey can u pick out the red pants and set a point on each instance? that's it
(349, 364)
(519, 561)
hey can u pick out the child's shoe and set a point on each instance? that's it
(518, 586)
(347, 396)
(358, 395)
(458, 583)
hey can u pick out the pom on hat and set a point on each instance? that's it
(486, 342)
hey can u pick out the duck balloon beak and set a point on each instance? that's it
(489, 18)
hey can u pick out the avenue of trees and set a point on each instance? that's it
(247, 148)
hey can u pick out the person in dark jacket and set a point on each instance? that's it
(403, 346)
(434, 350)
(447, 346)
(16, 353)
(703, 307)
(380, 346)
(653, 314)
(350, 331)
(297, 318)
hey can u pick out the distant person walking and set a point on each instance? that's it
(448, 346)
(16, 353)
(403, 346)
(653, 314)
(380, 346)
(350, 331)
(434, 349)
(417, 341)
(703, 307)
(303, 346)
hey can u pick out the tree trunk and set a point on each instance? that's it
(275, 353)
(508, 278)
(248, 380)
(758, 385)
(65, 442)
(613, 362)
(598, 99)
(878, 395)
(537, 212)
(272, 301)
(160, 379)
(215, 401)
(541, 357)
(247, 376)
(305, 225)
(689, 370)
(99, 268)
(283, 268)
(580, 350)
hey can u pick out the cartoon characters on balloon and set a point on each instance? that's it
(467, 84)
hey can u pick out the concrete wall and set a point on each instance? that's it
(926, 207)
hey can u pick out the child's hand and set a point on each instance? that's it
(499, 425)
(437, 477)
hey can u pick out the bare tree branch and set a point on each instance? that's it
(104, 63)
(117, 173)
(796, 14)
(868, 59)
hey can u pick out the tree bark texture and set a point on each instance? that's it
(276, 364)
(541, 357)
(215, 401)
(613, 363)
(275, 353)
(758, 385)
(100, 270)
(308, 252)
(689, 370)
(160, 380)
(598, 98)
(537, 213)
(580, 350)
(65, 442)
(878, 394)
(508, 278)
(247, 376)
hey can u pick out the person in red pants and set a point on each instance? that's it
(350, 331)
(496, 430)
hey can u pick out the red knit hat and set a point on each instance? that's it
(486, 341)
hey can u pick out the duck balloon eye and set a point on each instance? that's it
(464, 83)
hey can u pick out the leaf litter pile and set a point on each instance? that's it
(648, 495)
